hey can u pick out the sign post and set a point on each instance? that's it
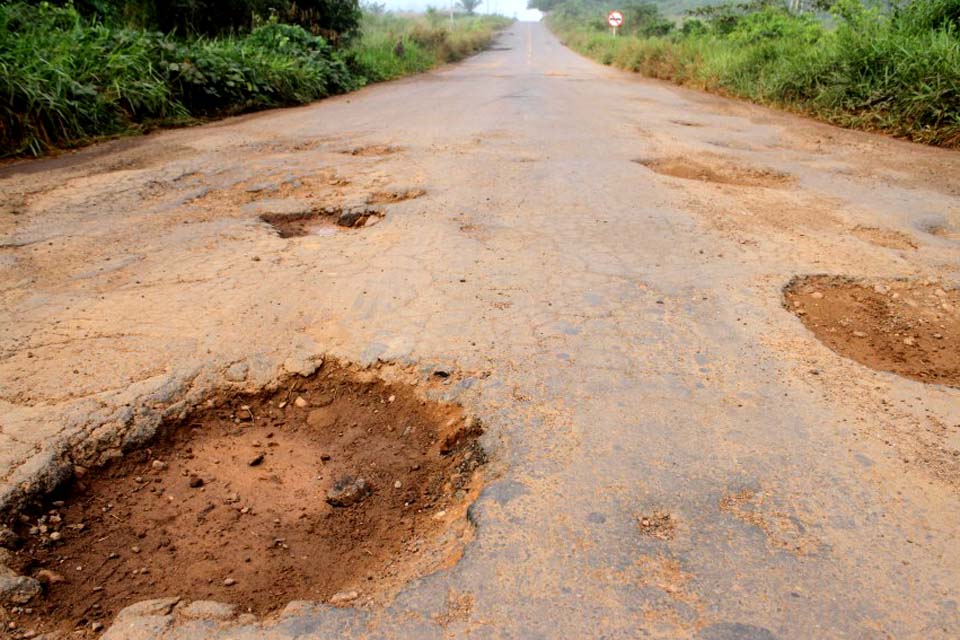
(614, 19)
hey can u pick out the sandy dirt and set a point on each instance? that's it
(602, 268)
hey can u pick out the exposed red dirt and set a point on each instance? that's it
(906, 327)
(236, 504)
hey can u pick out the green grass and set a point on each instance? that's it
(393, 46)
(66, 80)
(895, 72)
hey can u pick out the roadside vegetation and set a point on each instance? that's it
(71, 73)
(892, 67)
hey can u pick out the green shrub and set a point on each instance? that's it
(897, 71)
(64, 79)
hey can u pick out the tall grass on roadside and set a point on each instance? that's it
(393, 46)
(65, 79)
(895, 71)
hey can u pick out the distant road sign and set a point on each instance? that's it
(615, 19)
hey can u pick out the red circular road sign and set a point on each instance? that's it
(615, 19)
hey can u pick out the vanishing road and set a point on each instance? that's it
(601, 258)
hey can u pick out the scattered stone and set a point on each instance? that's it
(347, 491)
(158, 465)
(908, 341)
(96, 627)
(229, 582)
(816, 295)
(56, 536)
(300, 402)
(859, 334)
(397, 484)
(257, 460)
(196, 482)
(135, 549)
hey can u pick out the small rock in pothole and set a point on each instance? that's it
(347, 491)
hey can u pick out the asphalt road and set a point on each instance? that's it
(620, 331)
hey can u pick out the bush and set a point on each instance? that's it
(64, 79)
(392, 47)
(334, 19)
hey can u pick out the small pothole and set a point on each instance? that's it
(907, 327)
(322, 221)
(719, 171)
(888, 238)
(337, 487)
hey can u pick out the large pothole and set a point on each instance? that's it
(715, 170)
(907, 327)
(334, 488)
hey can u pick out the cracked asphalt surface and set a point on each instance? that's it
(619, 329)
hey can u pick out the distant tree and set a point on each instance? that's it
(469, 6)
(336, 20)
(376, 8)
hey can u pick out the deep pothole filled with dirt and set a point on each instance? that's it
(716, 171)
(907, 327)
(322, 221)
(336, 488)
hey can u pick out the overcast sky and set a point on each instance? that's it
(509, 8)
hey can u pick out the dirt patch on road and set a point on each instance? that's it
(337, 488)
(321, 221)
(905, 327)
(374, 150)
(782, 528)
(888, 238)
(658, 525)
(389, 197)
(717, 171)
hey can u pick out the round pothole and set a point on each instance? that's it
(330, 488)
(907, 327)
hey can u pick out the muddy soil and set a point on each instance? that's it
(331, 488)
(905, 327)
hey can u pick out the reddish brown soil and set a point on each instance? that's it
(230, 505)
(906, 327)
